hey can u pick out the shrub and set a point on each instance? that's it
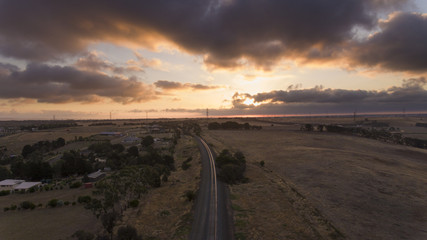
(165, 213)
(83, 235)
(27, 205)
(262, 163)
(185, 165)
(84, 199)
(66, 203)
(190, 195)
(74, 203)
(53, 203)
(76, 185)
(6, 209)
(133, 203)
(127, 233)
(4, 192)
(13, 207)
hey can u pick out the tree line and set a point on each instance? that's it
(231, 125)
(381, 134)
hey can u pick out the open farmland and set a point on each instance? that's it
(358, 187)
(45, 222)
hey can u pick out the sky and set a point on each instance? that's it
(174, 59)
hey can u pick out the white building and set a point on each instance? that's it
(26, 185)
(10, 184)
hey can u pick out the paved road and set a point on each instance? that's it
(211, 219)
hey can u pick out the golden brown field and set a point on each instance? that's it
(326, 186)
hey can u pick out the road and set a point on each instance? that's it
(211, 219)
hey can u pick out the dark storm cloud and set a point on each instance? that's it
(55, 84)
(400, 45)
(170, 85)
(411, 95)
(411, 91)
(224, 31)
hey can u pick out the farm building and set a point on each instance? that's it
(9, 184)
(24, 186)
(95, 176)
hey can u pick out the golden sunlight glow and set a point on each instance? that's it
(251, 101)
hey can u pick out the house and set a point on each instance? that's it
(95, 176)
(9, 184)
(24, 186)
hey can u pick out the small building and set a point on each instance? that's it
(131, 139)
(88, 185)
(101, 160)
(115, 134)
(9, 184)
(24, 186)
(95, 176)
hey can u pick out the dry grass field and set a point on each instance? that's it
(326, 186)
(46, 223)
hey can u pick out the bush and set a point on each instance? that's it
(13, 207)
(127, 233)
(83, 235)
(53, 203)
(165, 213)
(4, 192)
(76, 185)
(190, 195)
(133, 203)
(28, 205)
(185, 165)
(262, 163)
(66, 203)
(84, 199)
(6, 209)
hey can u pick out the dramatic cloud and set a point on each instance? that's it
(92, 62)
(55, 84)
(169, 85)
(411, 96)
(400, 45)
(228, 33)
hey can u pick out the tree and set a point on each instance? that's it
(133, 151)
(108, 221)
(119, 148)
(147, 141)
(127, 233)
(26, 150)
(4, 173)
(83, 235)
(231, 167)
